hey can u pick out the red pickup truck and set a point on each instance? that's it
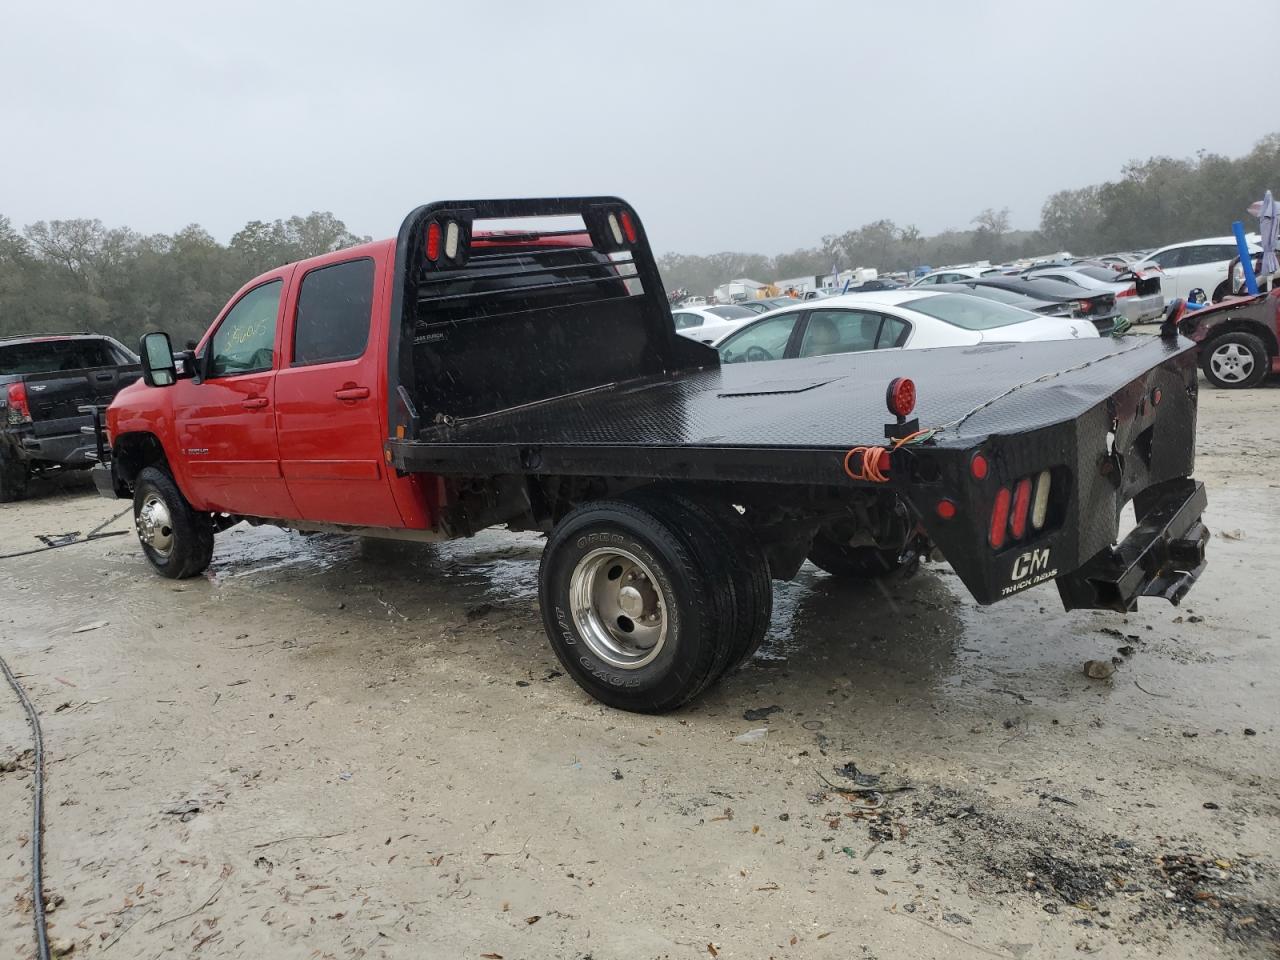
(457, 377)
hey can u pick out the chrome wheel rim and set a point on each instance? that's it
(618, 607)
(155, 526)
(1232, 362)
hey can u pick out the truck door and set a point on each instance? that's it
(226, 422)
(329, 396)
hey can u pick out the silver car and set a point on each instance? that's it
(1139, 299)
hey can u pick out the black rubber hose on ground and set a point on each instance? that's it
(37, 817)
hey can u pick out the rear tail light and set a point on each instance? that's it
(1087, 306)
(1040, 502)
(1129, 291)
(19, 411)
(628, 227)
(1000, 518)
(433, 241)
(1021, 504)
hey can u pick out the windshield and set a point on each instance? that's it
(731, 312)
(50, 356)
(969, 313)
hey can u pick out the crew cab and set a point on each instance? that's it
(44, 383)
(459, 377)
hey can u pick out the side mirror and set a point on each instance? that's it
(158, 366)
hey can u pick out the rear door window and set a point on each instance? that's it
(840, 331)
(893, 333)
(1168, 259)
(335, 304)
(685, 321)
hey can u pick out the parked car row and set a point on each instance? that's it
(1239, 338)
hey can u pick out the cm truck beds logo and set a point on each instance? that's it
(1029, 569)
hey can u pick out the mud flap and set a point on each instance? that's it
(1163, 556)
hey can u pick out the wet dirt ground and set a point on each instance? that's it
(328, 749)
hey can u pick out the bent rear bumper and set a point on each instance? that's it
(1136, 444)
(1162, 556)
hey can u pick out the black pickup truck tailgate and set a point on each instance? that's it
(1106, 421)
(55, 399)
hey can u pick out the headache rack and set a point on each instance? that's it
(492, 320)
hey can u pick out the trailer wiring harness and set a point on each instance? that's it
(37, 817)
(871, 464)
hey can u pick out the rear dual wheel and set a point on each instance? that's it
(643, 603)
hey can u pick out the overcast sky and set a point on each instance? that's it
(730, 126)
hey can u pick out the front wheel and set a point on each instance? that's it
(638, 611)
(176, 539)
(1234, 360)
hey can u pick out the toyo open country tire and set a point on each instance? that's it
(855, 563)
(638, 603)
(1235, 360)
(176, 539)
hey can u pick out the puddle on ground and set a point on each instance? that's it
(501, 564)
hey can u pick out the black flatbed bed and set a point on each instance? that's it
(788, 421)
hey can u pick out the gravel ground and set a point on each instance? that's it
(330, 749)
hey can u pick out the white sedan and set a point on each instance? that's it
(890, 319)
(1198, 263)
(709, 324)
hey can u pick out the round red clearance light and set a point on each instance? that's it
(628, 227)
(979, 467)
(433, 241)
(1156, 397)
(946, 509)
(901, 397)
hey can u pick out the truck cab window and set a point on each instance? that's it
(245, 341)
(334, 307)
